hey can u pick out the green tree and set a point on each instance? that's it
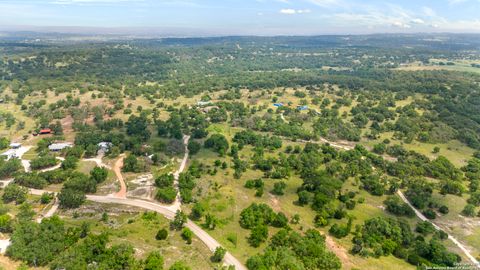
(194, 147)
(69, 163)
(99, 174)
(14, 192)
(154, 261)
(162, 234)
(469, 210)
(258, 235)
(180, 265)
(71, 198)
(218, 254)
(166, 195)
(197, 211)
(47, 197)
(187, 235)
(179, 220)
(138, 126)
(218, 143)
(6, 223)
(279, 188)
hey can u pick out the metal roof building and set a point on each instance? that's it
(59, 146)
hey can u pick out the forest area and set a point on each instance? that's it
(328, 152)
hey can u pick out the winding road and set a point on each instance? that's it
(168, 211)
(454, 240)
(402, 196)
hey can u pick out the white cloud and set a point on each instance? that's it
(417, 21)
(429, 12)
(454, 2)
(401, 25)
(300, 11)
(288, 11)
(326, 3)
(291, 11)
(93, 2)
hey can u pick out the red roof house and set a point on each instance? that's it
(45, 131)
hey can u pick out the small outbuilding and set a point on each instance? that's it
(278, 104)
(104, 146)
(45, 131)
(204, 103)
(55, 147)
(15, 145)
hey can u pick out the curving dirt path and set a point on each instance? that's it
(117, 169)
(168, 211)
(454, 240)
(177, 205)
(50, 211)
(98, 160)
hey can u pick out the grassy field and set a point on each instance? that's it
(225, 197)
(457, 152)
(86, 166)
(460, 65)
(126, 225)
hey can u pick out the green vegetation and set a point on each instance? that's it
(308, 183)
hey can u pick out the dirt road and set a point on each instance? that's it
(117, 169)
(50, 211)
(169, 213)
(177, 205)
(98, 160)
(166, 210)
(454, 240)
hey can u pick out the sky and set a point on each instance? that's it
(244, 17)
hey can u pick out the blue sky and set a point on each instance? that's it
(257, 17)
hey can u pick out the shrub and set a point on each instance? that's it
(46, 197)
(194, 147)
(154, 261)
(218, 254)
(469, 210)
(14, 192)
(279, 188)
(425, 228)
(258, 235)
(187, 235)
(99, 174)
(430, 214)
(71, 198)
(162, 234)
(166, 195)
(443, 209)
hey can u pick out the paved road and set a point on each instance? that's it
(169, 212)
(454, 240)
(166, 210)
